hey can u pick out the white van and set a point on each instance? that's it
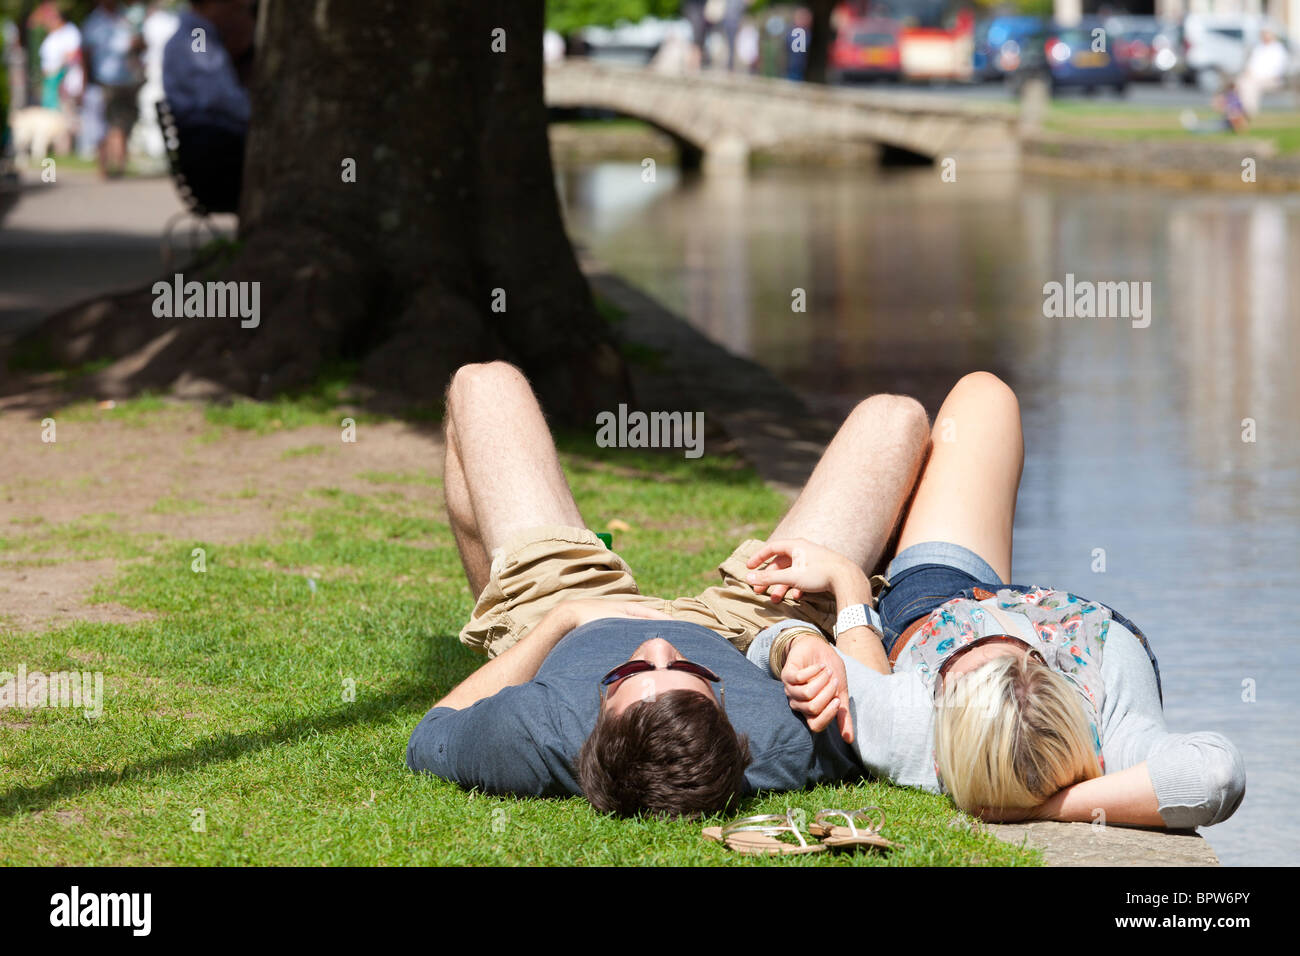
(1218, 44)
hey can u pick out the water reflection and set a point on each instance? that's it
(1134, 435)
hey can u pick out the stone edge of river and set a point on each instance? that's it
(1212, 164)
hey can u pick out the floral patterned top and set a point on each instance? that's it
(1069, 631)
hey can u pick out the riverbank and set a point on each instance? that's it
(1237, 164)
(98, 535)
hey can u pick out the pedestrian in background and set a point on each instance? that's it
(112, 45)
(41, 22)
(159, 25)
(211, 107)
(62, 77)
(1264, 72)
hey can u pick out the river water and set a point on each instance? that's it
(1173, 448)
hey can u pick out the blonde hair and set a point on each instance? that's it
(1010, 734)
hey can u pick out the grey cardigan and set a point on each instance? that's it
(1199, 778)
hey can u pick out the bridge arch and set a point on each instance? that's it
(721, 118)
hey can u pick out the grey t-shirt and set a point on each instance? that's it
(1199, 778)
(525, 739)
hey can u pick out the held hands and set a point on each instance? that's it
(817, 686)
(797, 566)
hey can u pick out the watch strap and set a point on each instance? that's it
(858, 615)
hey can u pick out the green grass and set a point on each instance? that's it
(401, 478)
(1122, 121)
(229, 698)
(144, 409)
(90, 536)
(302, 451)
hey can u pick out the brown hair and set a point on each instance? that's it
(675, 755)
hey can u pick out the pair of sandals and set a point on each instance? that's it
(760, 834)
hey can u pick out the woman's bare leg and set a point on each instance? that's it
(967, 493)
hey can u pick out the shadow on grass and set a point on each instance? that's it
(413, 694)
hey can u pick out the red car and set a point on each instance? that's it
(866, 49)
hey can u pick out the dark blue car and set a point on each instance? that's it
(1082, 56)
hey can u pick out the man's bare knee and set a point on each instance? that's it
(484, 382)
(899, 415)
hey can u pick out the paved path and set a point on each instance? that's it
(79, 236)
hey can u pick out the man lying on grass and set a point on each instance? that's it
(642, 703)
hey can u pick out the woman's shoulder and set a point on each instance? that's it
(1124, 653)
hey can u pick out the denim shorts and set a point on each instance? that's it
(926, 575)
(934, 572)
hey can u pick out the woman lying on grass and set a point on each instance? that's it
(1020, 703)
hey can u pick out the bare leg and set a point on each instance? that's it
(460, 510)
(503, 473)
(857, 491)
(112, 155)
(967, 493)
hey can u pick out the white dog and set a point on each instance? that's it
(36, 130)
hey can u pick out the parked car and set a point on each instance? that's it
(997, 45)
(1080, 56)
(938, 53)
(632, 43)
(1217, 45)
(1150, 49)
(866, 49)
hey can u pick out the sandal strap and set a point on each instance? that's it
(769, 824)
(864, 813)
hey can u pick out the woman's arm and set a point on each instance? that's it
(1198, 778)
(1126, 797)
(1156, 778)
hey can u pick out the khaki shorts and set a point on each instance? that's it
(539, 568)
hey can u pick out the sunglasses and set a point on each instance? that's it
(632, 668)
(989, 639)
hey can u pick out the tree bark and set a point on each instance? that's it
(819, 45)
(449, 245)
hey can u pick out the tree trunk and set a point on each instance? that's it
(449, 245)
(819, 45)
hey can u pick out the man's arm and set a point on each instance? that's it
(519, 664)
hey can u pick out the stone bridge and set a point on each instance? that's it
(721, 118)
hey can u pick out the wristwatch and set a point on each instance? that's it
(858, 615)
